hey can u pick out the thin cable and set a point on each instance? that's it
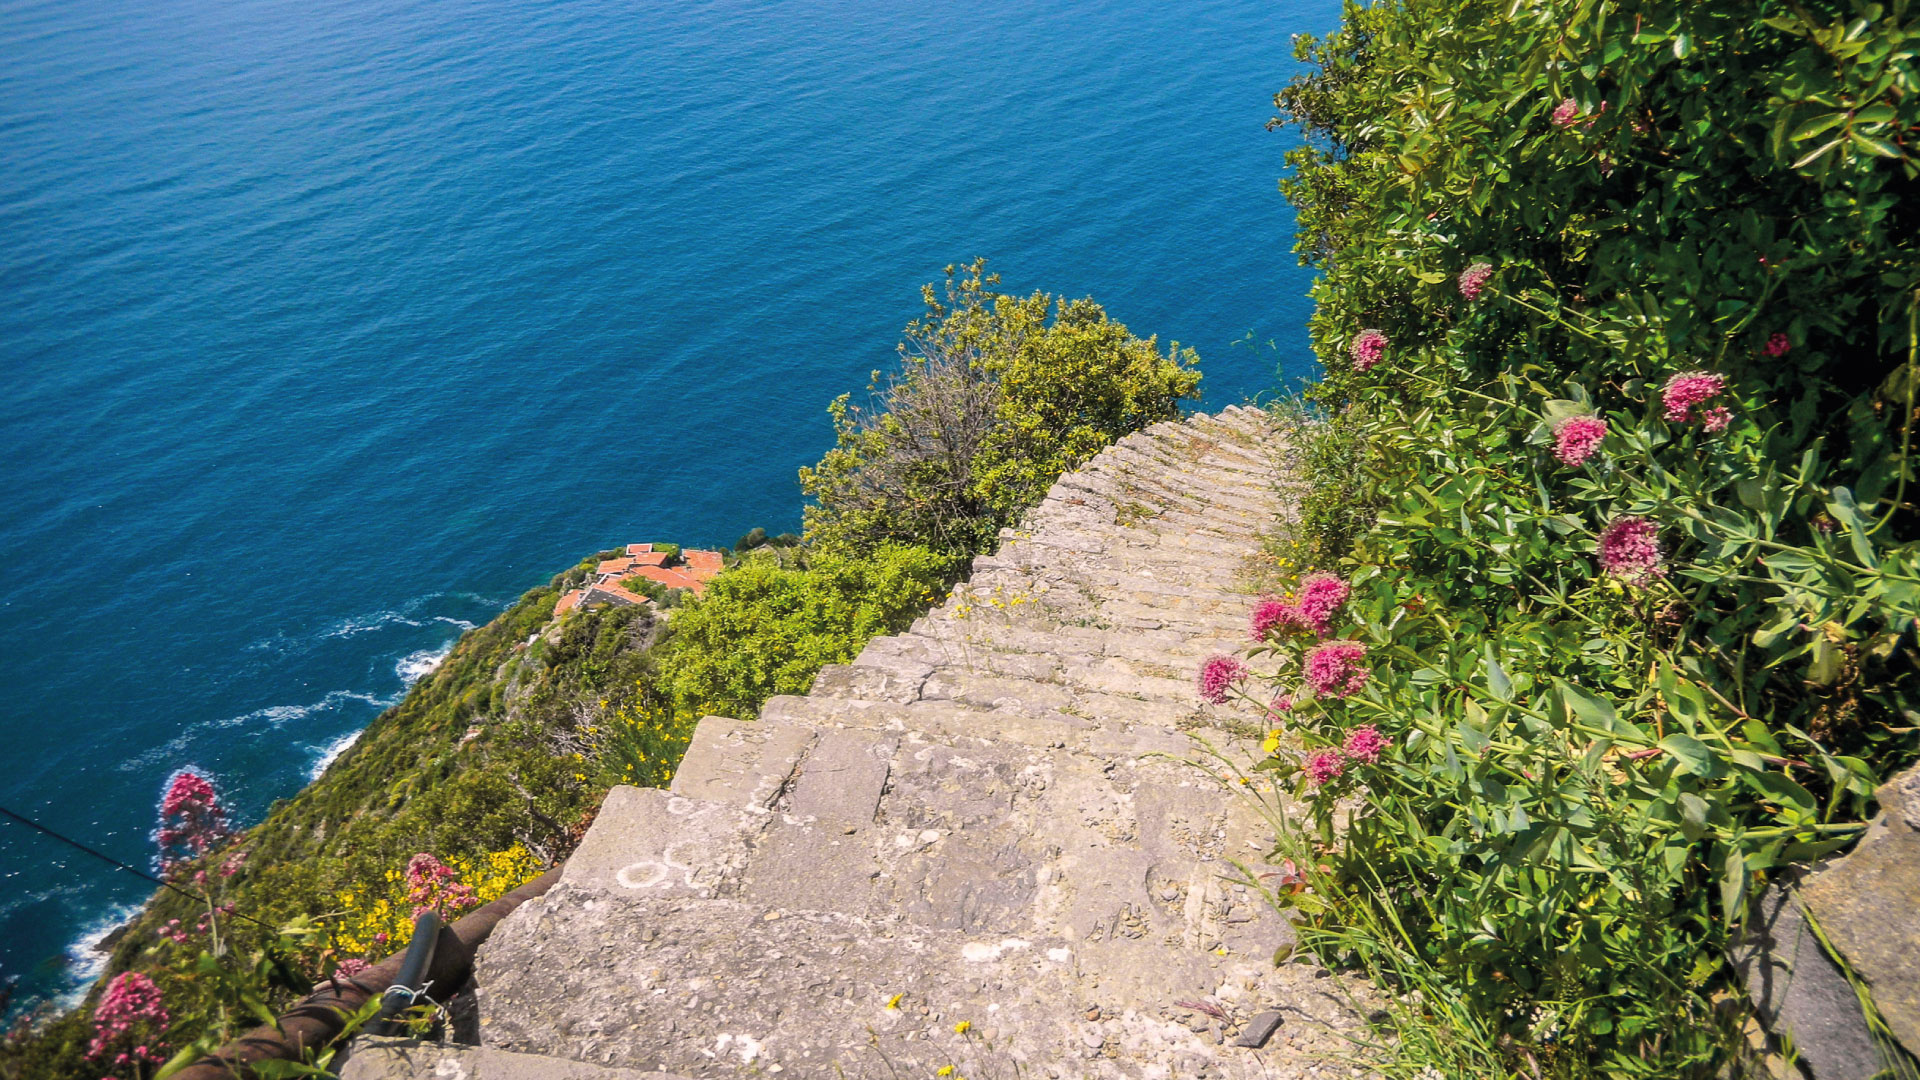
(104, 857)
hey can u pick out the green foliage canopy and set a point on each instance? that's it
(1589, 772)
(993, 401)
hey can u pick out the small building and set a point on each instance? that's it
(691, 569)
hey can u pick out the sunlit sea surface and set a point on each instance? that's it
(327, 328)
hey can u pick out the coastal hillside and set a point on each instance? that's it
(488, 772)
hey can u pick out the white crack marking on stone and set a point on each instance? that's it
(1059, 956)
(449, 1069)
(977, 952)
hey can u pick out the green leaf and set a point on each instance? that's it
(1588, 709)
(1734, 883)
(1781, 789)
(1814, 155)
(1693, 815)
(1693, 756)
(1497, 682)
(1844, 508)
(1817, 125)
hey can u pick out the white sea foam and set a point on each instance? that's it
(331, 753)
(418, 665)
(270, 718)
(86, 959)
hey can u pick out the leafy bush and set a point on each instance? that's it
(769, 624)
(1618, 312)
(991, 404)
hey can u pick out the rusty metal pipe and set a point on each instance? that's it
(318, 1019)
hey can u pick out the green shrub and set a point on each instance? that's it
(993, 402)
(1589, 771)
(769, 624)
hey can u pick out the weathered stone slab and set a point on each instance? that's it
(653, 844)
(742, 763)
(1869, 905)
(1800, 994)
(841, 780)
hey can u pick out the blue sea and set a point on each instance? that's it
(327, 328)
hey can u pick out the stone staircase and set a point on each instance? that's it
(983, 844)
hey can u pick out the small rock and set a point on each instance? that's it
(1259, 1029)
(1093, 1037)
(1093, 1014)
(771, 916)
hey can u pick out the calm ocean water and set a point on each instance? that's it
(326, 328)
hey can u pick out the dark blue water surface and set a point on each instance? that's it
(328, 327)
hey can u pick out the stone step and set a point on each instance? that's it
(1016, 814)
(407, 1059)
(718, 988)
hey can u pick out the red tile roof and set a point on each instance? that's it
(615, 594)
(703, 564)
(569, 601)
(649, 558)
(615, 566)
(638, 549)
(672, 579)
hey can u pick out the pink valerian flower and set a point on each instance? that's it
(434, 886)
(1280, 704)
(1630, 549)
(1218, 675)
(1335, 669)
(1364, 744)
(1688, 389)
(131, 999)
(233, 864)
(1473, 280)
(1716, 419)
(1269, 613)
(1324, 765)
(1320, 596)
(1565, 113)
(348, 968)
(1777, 345)
(192, 821)
(1576, 438)
(1367, 349)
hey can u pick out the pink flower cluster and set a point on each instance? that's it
(1335, 669)
(348, 968)
(1218, 675)
(1777, 345)
(192, 821)
(131, 1000)
(434, 886)
(1473, 280)
(1688, 389)
(1630, 549)
(1565, 113)
(1320, 596)
(175, 932)
(1577, 437)
(1367, 349)
(1324, 765)
(1363, 744)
